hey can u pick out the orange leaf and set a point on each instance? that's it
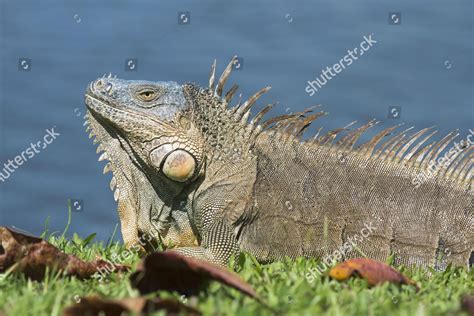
(375, 272)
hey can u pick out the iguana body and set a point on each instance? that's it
(193, 172)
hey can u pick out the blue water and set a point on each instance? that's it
(424, 65)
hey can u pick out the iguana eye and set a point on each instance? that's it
(147, 95)
(178, 165)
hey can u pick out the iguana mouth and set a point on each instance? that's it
(102, 107)
(105, 108)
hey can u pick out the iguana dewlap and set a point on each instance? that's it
(193, 172)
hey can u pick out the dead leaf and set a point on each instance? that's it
(375, 272)
(32, 255)
(95, 306)
(467, 304)
(172, 271)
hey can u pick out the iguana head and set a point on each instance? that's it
(155, 153)
(160, 138)
(149, 116)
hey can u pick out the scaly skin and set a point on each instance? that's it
(190, 171)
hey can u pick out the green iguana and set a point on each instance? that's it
(191, 171)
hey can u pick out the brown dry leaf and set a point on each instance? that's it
(374, 272)
(467, 304)
(95, 306)
(32, 255)
(172, 271)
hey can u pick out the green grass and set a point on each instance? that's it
(281, 284)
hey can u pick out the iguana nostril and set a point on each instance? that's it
(108, 88)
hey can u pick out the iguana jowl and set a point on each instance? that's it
(192, 171)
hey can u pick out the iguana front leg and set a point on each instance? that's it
(218, 244)
(216, 206)
(128, 223)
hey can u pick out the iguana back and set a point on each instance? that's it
(310, 199)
